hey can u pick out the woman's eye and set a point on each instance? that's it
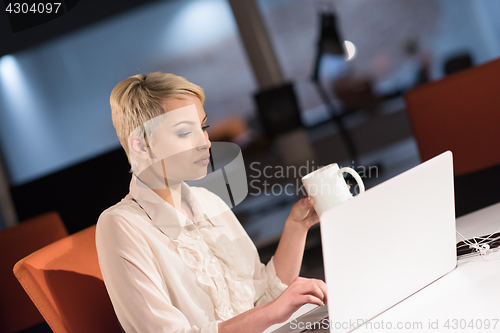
(204, 128)
(183, 135)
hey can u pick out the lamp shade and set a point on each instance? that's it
(329, 40)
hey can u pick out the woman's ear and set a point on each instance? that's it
(138, 147)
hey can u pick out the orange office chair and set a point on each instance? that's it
(461, 113)
(17, 312)
(65, 283)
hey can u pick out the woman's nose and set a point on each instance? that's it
(203, 142)
(207, 140)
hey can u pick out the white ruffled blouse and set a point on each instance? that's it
(166, 273)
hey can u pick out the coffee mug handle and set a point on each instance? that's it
(356, 176)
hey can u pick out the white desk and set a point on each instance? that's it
(468, 294)
(471, 292)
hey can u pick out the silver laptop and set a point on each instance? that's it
(385, 245)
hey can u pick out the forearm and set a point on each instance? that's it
(255, 320)
(288, 257)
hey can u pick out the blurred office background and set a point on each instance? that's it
(58, 147)
(59, 150)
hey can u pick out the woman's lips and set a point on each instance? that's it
(204, 160)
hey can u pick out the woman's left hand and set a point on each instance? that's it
(303, 212)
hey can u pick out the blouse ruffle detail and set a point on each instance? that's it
(229, 281)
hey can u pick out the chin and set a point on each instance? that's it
(195, 174)
(200, 176)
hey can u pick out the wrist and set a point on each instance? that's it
(254, 320)
(297, 226)
(269, 313)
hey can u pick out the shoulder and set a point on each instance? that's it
(123, 220)
(123, 210)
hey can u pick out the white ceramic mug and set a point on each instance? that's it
(328, 187)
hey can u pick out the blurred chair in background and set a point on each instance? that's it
(461, 113)
(17, 312)
(65, 283)
(457, 63)
(355, 93)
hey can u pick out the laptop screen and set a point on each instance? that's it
(386, 244)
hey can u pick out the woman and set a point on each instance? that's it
(174, 258)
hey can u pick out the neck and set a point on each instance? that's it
(171, 193)
(155, 177)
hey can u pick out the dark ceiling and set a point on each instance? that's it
(76, 14)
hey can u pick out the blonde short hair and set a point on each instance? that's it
(140, 98)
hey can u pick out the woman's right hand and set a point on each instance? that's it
(301, 291)
(256, 320)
